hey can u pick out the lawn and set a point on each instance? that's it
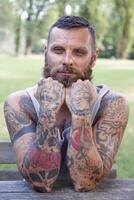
(19, 73)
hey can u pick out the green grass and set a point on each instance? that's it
(19, 73)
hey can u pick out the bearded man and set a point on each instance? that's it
(65, 123)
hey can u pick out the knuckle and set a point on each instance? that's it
(79, 81)
(40, 82)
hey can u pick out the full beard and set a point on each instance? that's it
(67, 81)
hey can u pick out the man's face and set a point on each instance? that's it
(69, 56)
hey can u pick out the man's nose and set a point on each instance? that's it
(68, 60)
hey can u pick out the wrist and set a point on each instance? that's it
(47, 118)
(77, 120)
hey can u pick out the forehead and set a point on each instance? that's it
(77, 36)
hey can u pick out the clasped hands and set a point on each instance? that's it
(79, 97)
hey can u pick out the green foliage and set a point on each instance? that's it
(113, 23)
(6, 15)
(98, 12)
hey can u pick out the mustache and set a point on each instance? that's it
(66, 69)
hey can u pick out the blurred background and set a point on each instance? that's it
(24, 26)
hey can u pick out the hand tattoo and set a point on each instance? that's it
(81, 97)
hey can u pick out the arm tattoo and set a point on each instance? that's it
(91, 154)
(41, 164)
(84, 162)
(39, 161)
(17, 122)
(23, 131)
(27, 107)
(109, 131)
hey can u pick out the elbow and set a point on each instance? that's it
(82, 187)
(41, 179)
(37, 181)
(42, 189)
(87, 179)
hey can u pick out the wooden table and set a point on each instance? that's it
(111, 189)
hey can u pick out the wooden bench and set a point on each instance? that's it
(111, 189)
(7, 157)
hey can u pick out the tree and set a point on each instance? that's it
(28, 13)
(61, 6)
(113, 22)
(17, 9)
(97, 12)
(124, 11)
(35, 10)
(17, 30)
(6, 14)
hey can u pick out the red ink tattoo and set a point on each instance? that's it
(47, 161)
(80, 136)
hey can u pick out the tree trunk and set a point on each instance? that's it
(28, 46)
(121, 48)
(123, 38)
(29, 30)
(17, 35)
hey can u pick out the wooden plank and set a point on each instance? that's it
(6, 153)
(105, 186)
(10, 174)
(68, 196)
(109, 189)
(14, 174)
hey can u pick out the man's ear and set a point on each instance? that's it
(45, 48)
(94, 57)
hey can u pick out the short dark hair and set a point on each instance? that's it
(69, 22)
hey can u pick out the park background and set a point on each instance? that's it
(24, 26)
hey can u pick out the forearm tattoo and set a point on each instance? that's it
(91, 152)
(109, 130)
(84, 162)
(40, 163)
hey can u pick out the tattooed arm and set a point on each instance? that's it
(36, 141)
(88, 160)
(84, 161)
(109, 129)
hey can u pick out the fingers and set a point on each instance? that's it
(86, 86)
(50, 92)
(49, 81)
(82, 94)
(48, 85)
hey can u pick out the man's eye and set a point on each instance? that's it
(79, 53)
(58, 50)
